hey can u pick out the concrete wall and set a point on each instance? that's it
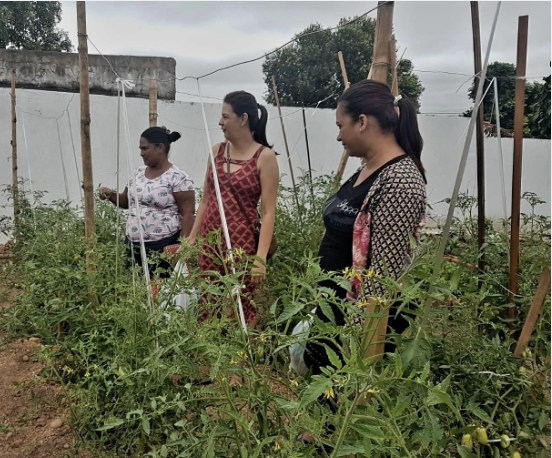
(57, 71)
(42, 156)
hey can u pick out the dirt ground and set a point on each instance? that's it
(33, 410)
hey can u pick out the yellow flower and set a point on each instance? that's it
(69, 370)
(95, 366)
(329, 393)
(294, 383)
(346, 272)
(233, 361)
(87, 374)
(241, 354)
(277, 446)
(77, 257)
(239, 251)
(200, 336)
(370, 273)
(373, 391)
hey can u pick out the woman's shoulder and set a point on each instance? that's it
(402, 176)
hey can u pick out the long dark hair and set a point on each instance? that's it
(372, 98)
(243, 102)
(160, 136)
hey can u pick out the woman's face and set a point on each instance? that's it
(151, 154)
(349, 132)
(230, 122)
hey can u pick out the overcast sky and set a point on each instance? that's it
(204, 36)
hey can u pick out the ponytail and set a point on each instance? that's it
(408, 135)
(259, 134)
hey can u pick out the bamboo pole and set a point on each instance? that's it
(287, 148)
(86, 147)
(523, 26)
(15, 186)
(379, 72)
(384, 29)
(153, 103)
(534, 311)
(479, 141)
(344, 155)
(394, 77)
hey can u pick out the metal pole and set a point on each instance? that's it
(15, 188)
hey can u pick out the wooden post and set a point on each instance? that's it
(523, 26)
(394, 77)
(344, 155)
(308, 151)
(384, 29)
(15, 186)
(534, 311)
(287, 148)
(153, 103)
(479, 141)
(86, 148)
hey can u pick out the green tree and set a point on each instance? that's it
(32, 26)
(537, 101)
(308, 70)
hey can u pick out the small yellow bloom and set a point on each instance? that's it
(277, 446)
(200, 336)
(233, 361)
(373, 391)
(370, 273)
(70, 371)
(329, 393)
(239, 251)
(95, 366)
(294, 383)
(77, 257)
(241, 354)
(87, 374)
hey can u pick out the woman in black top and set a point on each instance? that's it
(390, 186)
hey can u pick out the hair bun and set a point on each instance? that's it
(174, 136)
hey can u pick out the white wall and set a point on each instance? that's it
(444, 139)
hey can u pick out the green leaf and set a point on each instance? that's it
(479, 413)
(332, 356)
(437, 396)
(146, 425)
(416, 355)
(402, 403)
(425, 372)
(289, 312)
(346, 450)
(464, 452)
(398, 365)
(315, 390)
(164, 452)
(371, 432)
(113, 423)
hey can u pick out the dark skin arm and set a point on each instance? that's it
(186, 207)
(108, 194)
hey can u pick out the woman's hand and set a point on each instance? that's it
(258, 273)
(191, 241)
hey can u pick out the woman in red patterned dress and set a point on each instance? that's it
(254, 176)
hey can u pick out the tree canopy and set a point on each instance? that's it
(32, 26)
(537, 101)
(308, 70)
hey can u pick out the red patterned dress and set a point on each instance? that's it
(246, 182)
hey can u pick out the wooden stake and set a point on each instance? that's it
(308, 151)
(479, 141)
(88, 182)
(15, 186)
(153, 103)
(523, 26)
(344, 155)
(384, 29)
(287, 148)
(534, 311)
(394, 78)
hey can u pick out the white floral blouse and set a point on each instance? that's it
(159, 214)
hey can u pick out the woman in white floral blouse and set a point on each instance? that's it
(166, 197)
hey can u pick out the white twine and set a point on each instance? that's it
(129, 85)
(221, 208)
(28, 166)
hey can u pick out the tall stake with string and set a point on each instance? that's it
(85, 136)
(308, 151)
(287, 148)
(479, 141)
(15, 189)
(523, 26)
(344, 155)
